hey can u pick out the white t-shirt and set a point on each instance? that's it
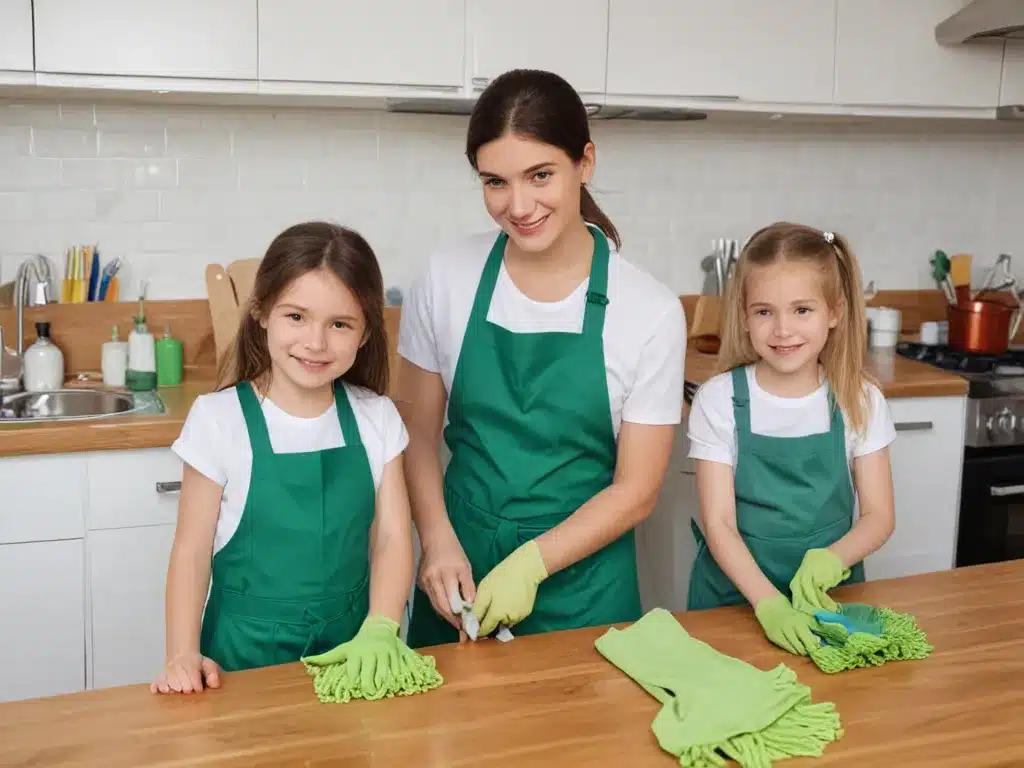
(644, 328)
(215, 441)
(712, 423)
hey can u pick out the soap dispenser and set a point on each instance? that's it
(168, 360)
(43, 363)
(141, 374)
(114, 360)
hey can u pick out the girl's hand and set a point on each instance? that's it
(446, 577)
(187, 673)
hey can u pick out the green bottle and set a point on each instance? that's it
(168, 361)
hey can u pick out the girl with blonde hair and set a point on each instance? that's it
(788, 436)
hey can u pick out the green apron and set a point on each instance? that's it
(294, 578)
(792, 494)
(531, 437)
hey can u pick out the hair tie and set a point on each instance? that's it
(830, 237)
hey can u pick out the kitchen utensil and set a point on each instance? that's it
(707, 317)
(940, 273)
(983, 326)
(960, 276)
(228, 292)
(707, 344)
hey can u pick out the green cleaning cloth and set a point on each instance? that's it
(858, 635)
(715, 705)
(349, 672)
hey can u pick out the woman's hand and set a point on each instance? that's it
(446, 577)
(187, 673)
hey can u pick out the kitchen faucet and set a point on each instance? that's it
(35, 268)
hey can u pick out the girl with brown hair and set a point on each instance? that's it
(788, 437)
(293, 500)
(558, 366)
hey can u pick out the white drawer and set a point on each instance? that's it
(42, 498)
(123, 488)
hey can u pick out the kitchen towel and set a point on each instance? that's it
(409, 673)
(859, 635)
(715, 705)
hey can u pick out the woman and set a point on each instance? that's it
(561, 367)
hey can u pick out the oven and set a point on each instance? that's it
(991, 525)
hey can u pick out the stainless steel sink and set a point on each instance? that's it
(66, 405)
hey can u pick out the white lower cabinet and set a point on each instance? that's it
(127, 576)
(927, 461)
(664, 541)
(42, 619)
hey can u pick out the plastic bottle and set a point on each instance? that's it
(141, 374)
(114, 360)
(43, 363)
(168, 360)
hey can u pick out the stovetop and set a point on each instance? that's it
(995, 391)
(988, 376)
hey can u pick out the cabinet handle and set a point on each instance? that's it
(171, 487)
(1006, 490)
(481, 81)
(913, 426)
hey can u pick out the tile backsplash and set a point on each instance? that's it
(173, 188)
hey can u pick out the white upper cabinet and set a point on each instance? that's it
(384, 42)
(782, 51)
(150, 38)
(886, 55)
(571, 40)
(1012, 83)
(16, 35)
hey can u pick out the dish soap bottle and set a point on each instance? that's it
(168, 360)
(141, 373)
(43, 364)
(114, 360)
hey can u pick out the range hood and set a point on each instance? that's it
(454, 106)
(982, 21)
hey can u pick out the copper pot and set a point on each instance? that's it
(982, 326)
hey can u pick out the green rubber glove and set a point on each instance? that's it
(369, 657)
(787, 627)
(820, 571)
(506, 594)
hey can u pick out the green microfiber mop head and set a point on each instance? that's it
(859, 635)
(339, 677)
(715, 706)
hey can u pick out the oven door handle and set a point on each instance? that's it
(1006, 490)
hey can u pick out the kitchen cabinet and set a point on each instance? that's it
(43, 498)
(665, 545)
(16, 35)
(927, 461)
(887, 55)
(1011, 85)
(156, 38)
(733, 49)
(42, 630)
(133, 488)
(127, 578)
(571, 42)
(386, 42)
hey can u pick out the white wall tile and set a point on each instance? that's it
(176, 187)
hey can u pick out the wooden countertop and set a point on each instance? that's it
(553, 700)
(149, 430)
(898, 376)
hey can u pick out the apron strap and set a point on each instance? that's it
(741, 400)
(485, 288)
(346, 416)
(597, 290)
(255, 423)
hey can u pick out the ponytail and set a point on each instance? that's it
(591, 212)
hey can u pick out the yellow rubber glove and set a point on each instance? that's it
(787, 627)
(369, 657)
(506, 594)
(820, 571)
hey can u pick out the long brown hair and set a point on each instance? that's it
(542, 106)
(843, 356)
(300, 249)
